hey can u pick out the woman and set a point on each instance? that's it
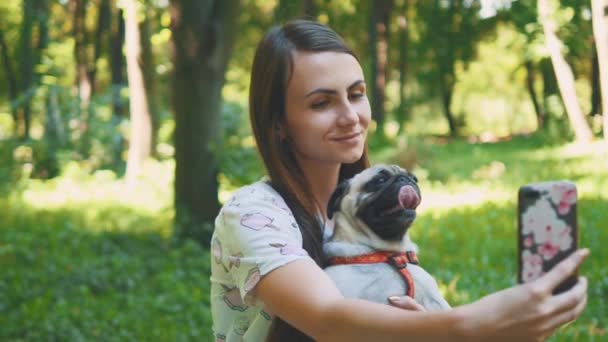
(310, 114)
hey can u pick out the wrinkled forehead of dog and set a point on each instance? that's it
(353, 191)
(377, 171)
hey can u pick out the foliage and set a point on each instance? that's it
(239, 160)
(467, 227)
(62, 281)
(84, 258)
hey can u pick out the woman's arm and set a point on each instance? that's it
(303, 295)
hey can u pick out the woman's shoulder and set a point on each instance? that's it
(257, 194)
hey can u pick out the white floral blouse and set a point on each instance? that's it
(255, 233)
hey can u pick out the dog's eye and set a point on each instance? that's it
(381, 179)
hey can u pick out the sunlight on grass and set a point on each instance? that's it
(153, 192)
(85, 251)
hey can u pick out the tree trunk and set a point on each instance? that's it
(600, 32)
(447, 90)
(117, 39)
(402, 111)
(450, 25)
(379, 31)
(53, 133)
(203, 37)
(83, 82)
(53, 127)
(103, 25)
(26, 67)
(141, 122)
(549, 87)
(564, 75)
(540, 116)
(147, 67)
(596, 97)
(11, 78)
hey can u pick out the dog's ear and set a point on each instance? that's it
(336, 198)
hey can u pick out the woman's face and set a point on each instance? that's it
(327, 110)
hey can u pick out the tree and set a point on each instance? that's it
(403, 22)
(117, 59)
(26, 71)
(563, 73)
(450, 31)
(103, 26)
(378, 44)
(600, 32)
(203, 33)
(83, 80)
(11, 77)
(140, 141)
(290, 9)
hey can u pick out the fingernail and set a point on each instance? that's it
(393, 299)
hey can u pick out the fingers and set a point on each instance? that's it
(406, 303)
(568, 306)
(562, 270)
(568, 300)
(567, 315)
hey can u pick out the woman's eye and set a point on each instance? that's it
(320, 104)
(356, 96)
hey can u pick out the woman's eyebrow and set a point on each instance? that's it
(331, 91)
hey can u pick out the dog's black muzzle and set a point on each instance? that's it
(390, 205)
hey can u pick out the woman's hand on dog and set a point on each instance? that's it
(529, 312)
(406, 303)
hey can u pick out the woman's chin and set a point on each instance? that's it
(351, 157)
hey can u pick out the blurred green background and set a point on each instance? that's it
(115, 155)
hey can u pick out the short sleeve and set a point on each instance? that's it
(255, 233)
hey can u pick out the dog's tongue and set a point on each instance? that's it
(408, 198)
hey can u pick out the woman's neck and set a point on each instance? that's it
(322, 179)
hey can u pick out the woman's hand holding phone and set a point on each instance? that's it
(530, 311)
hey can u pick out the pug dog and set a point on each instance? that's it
(369, 253)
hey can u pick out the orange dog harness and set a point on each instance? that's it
(399, 260)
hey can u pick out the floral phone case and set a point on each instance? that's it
(547, 229)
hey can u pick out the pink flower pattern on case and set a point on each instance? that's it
(533, 266)
(563, 198)
(546, 233)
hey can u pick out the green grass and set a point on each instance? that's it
(60, 281)
(83, 258)
(468, 223)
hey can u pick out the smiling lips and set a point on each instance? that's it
(347, 137)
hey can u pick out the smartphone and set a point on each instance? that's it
(547, 229)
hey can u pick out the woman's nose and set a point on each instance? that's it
(348, 115)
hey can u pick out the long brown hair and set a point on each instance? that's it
(271, 72)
